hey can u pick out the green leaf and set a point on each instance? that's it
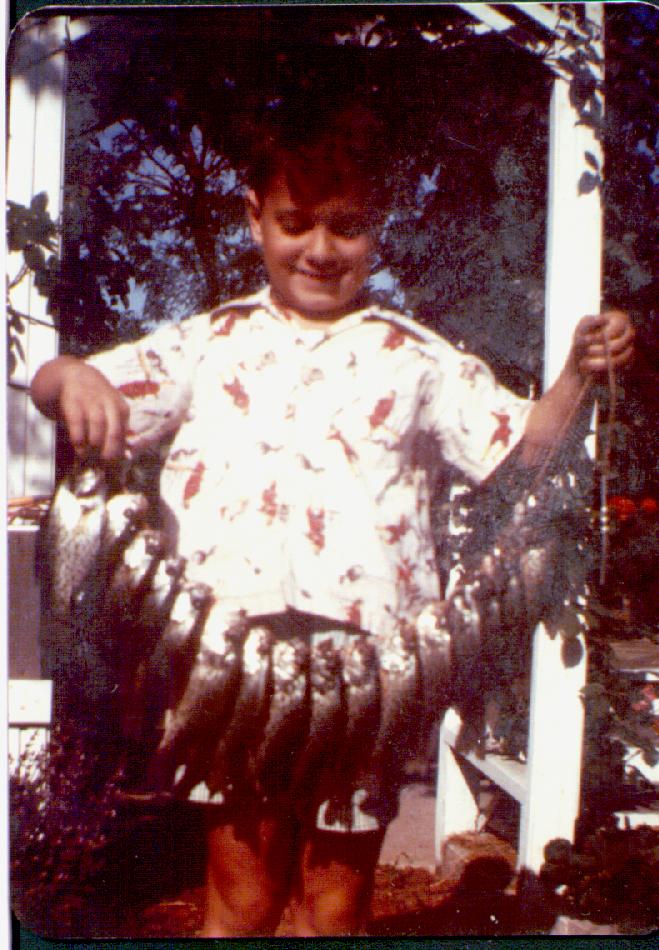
(588, 183)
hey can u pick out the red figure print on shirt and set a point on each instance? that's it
(237, 393)
(193, 484)
(394, 339)
(316, 532)
(269, 506)
(155, 361)
(503, 431)
(227, 325)
(382, 409)
(351, 455)
(396, 531)
(138, 388)
(470, 370)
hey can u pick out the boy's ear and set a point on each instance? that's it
(253, 209)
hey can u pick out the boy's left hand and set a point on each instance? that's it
(594, 335)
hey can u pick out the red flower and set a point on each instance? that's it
(649, 506)
(622, 507)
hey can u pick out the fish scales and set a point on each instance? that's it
(327, 717)
(205, 707)
(169, 664)
(400, 695)
(72, 536)
(233, 766)
(533, 568)
(158, 602)
(287, 727)
(133, 572)
(434, 642)
(362, 717)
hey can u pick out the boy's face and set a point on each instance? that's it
(318, 256)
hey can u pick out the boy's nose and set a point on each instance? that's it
(320, 246)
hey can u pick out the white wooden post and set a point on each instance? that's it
(35, 161)
(573, 289)
(548, 787)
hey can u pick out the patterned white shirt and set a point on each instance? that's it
(303, 461)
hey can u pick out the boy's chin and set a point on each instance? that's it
(322, 308)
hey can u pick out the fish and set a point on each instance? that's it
(397, 738)
(71, 537)
(361, 686)
(232, 770)
(191, 728)
(158, 602)
(167, 666)
(534, 568)
(133, 573)
(287, 726)
(125, 513)
(434, 649)
(327, 717)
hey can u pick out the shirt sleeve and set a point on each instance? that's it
(155, 375)
(477, 421)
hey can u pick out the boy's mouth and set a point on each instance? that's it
(325, 276)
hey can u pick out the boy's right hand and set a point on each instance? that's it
(94, 412)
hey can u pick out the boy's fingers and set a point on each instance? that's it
(96, 427)
(76, 426)
(115, 434)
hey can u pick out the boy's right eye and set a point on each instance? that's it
(293, 222)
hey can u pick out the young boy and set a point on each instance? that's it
(309, 428)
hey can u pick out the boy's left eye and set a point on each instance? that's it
(350, 225)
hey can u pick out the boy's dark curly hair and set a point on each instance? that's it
(323, 145)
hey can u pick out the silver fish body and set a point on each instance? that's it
(72, 537)
(327, 717)
(287, 726)
(158, 602)
(434, 642)
(125, 513)
(232, 769)
(361, 688)
(133, 573)
(400, 694)
(191, 730)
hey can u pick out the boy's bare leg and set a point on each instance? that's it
(336, 882)
(248, 875)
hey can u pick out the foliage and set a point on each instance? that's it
(33, 233)
(610, 878)
(62, 824)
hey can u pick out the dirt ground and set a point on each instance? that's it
(146, 897)
(152, 885)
